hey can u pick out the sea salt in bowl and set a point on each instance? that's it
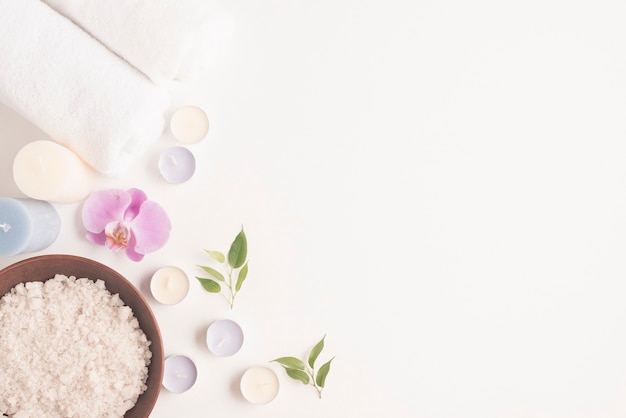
(42, 268)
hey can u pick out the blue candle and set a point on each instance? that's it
(27, 225)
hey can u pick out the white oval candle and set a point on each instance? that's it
(46, 170)
(224, 337)
(27, 225)
(259, 385)
(179, 374)
(177, 164)
(169, 285)
(189, 124)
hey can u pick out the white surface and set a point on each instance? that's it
(439, 187)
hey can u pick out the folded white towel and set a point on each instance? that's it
(165, 39)
(75, 89)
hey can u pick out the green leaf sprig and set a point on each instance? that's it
(235, 267)
(305, 372)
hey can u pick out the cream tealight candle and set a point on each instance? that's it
(27, 225)
(224, 337)
(46, 170)
(259, 385)
(179, 374)
(169, 285)
(189, 124)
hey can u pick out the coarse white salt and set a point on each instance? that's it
(69, 349)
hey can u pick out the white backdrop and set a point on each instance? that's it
(437, 186)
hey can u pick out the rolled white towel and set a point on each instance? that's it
(165, 39)
(75, 89)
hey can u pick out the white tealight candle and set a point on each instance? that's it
(27, 225)
(179, 374)
(46, 170)
(177, 164)
(169, 285)
(224, 337)
(189, 124)
(259, 385)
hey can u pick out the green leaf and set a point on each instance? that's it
(315, 351)
(238, 250)
(216, 255)
(243, 273)
(210, 285)
(298, 375)
(291, 362)
(322, 373)
(214, 273)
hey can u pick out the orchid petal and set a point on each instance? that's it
(104, 206)
(151, 228)
(130, 250)
(99, 239)
(137, 197)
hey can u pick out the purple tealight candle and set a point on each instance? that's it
(224, 337)
(179, 374)
(177, 164)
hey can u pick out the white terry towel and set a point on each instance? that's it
(75, 89)
(165, 39)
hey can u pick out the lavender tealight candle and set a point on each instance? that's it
(179, 374)
(224, 337)
(27, 225)
(177, 164)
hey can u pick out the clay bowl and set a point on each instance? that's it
(45, 267)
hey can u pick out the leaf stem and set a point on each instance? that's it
(313, 383)
(230, 287)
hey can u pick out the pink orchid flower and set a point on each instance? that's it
(125, 219)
